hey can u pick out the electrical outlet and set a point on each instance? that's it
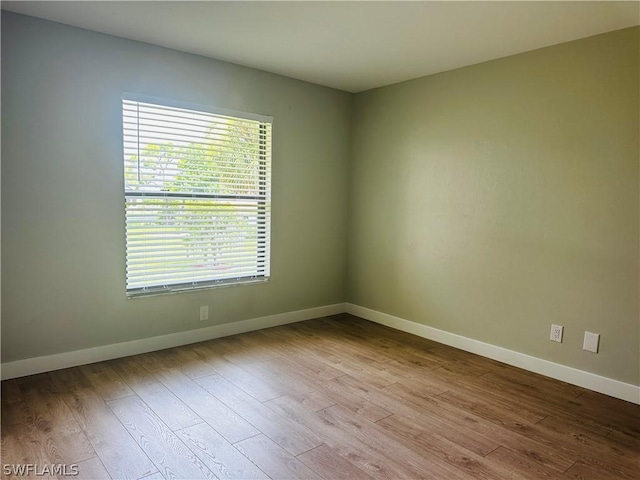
(204, 313)
(556, 333)
(591, 341)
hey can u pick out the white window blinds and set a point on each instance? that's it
(197, 196)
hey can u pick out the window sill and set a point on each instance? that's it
(171, 291)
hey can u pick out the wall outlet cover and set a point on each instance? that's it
(556, 333)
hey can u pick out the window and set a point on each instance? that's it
(197, 195)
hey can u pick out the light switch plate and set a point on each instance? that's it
(591, 341)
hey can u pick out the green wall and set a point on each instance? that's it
(489, 201)
(494, 200)
(63, 242)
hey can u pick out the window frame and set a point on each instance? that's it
(263, 200)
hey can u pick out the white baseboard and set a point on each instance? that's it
(608, 386)
(31, 366)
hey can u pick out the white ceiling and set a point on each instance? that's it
(352, 46)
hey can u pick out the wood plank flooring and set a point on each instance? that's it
(331, 398)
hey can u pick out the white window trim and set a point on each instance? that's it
(136, 292)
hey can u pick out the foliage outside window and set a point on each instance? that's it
(197, 195)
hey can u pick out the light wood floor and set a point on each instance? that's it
(333, 398)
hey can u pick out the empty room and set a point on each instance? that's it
(320, 240)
